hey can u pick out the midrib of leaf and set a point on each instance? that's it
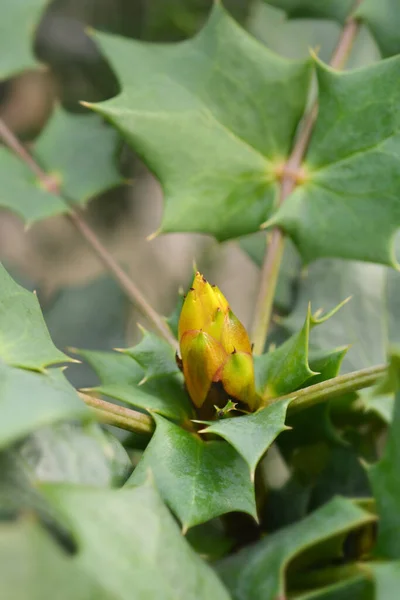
(199, 452)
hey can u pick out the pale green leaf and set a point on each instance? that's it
(24, 339)
(226, 110)
(18, 23)
(80, 152)
(383, 20)
(121, 378)
(349, 204)
(30, 400)
(252, 435)
(198, 480)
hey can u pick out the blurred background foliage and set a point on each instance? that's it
(82, 305)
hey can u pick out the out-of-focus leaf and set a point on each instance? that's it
(30, 400)
(252, 435)
(121, 375)
(24, 339)
(383, 20)
(80, 152)
(386, 579)
(328, 9)
(352, 169)
(198, 480)
(18, 23)
(259, 571)
(74, 453)
(385, 483)
(154, 355)
(227, 108)
(128, 545)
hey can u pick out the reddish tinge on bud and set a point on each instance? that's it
(214, 346)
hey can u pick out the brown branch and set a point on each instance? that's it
(119, 416)
(76, 218)
(274, 252)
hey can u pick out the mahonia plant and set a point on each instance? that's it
(186, 500)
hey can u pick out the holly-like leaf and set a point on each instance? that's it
(285, 369)
(328, 9)
(259, 571)
(22, 194)
(226, 107)
(17, 29)
(77, 152)
(198, 480)
(30, 400)
(252, 435)
(386, 486)
(383, 20)
(154, 355)
(327, 282)
(348, 205)
(128, 546)
(24, 339)
(76, 453)
(121, 378)
(80, 152)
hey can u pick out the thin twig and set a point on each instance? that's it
(274, 251)
(116, 415)
(326, 390)
(76, 218)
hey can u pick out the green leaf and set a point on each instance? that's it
(30, 400)
(154, 355)
(386, 578)
(77, 151)
(251, 435)
(72, 453)
(349, 204)
(17, 28)
(383, 20)
(386, 486)
(355, 588)
(24, 339)
(259, 571)
(285, 369)
(198, 480)
(328, 9)
(22, 194)
(128, 546)
(121, 378)
(80, 152)
(226, 108)
(327, 282)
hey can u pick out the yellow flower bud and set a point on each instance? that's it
(215, 347)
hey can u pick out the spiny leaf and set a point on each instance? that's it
(349, 204)
(17, 28)
(259, 571)
(226, 107)
(386, 486)
(383, 20)
(78, 153)
(30, 400)
(24, 339)
(121, 378)
(328, 9)
(198, 480)
(154, 355)
(281, 371)
(251, 435)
